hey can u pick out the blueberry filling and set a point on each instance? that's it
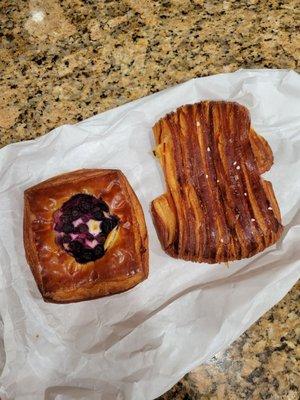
(82, 225)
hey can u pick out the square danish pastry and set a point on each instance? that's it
(85, 235)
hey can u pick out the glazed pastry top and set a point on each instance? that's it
(83, 229)
(217, 207)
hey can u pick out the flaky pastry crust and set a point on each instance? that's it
(58, 276)
(217, 208)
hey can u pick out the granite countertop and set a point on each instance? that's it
(63, 61)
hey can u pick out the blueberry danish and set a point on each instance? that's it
(85, 235)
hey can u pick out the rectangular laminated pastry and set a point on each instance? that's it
(217, 207)
(85, 235)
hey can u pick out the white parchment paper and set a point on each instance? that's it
(137, 344)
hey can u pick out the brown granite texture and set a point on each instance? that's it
(63, 61)
(262, 364)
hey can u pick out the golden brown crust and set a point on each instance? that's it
(262, 152)
(217, 207)
(58, 276)
(30, 248)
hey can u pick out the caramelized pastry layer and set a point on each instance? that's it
(85, 235)
(217, 207)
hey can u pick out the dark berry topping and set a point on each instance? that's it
(65, 218)
(89, 236)
(114, 221)
(82, 228)
(66, 239)
(79, 240)
(67, 228)
(100, 238)
(105, 227)
(99, 250)
(75, 213)
(86, 256)
(58, 227)
(97, 214)
(108, 224)
(76, 246)
(103, 206)
(85, 218)
(85, 207)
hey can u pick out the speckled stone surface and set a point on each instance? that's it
(262, 364)
(63, 61)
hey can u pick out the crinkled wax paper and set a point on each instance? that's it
(137, 344)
